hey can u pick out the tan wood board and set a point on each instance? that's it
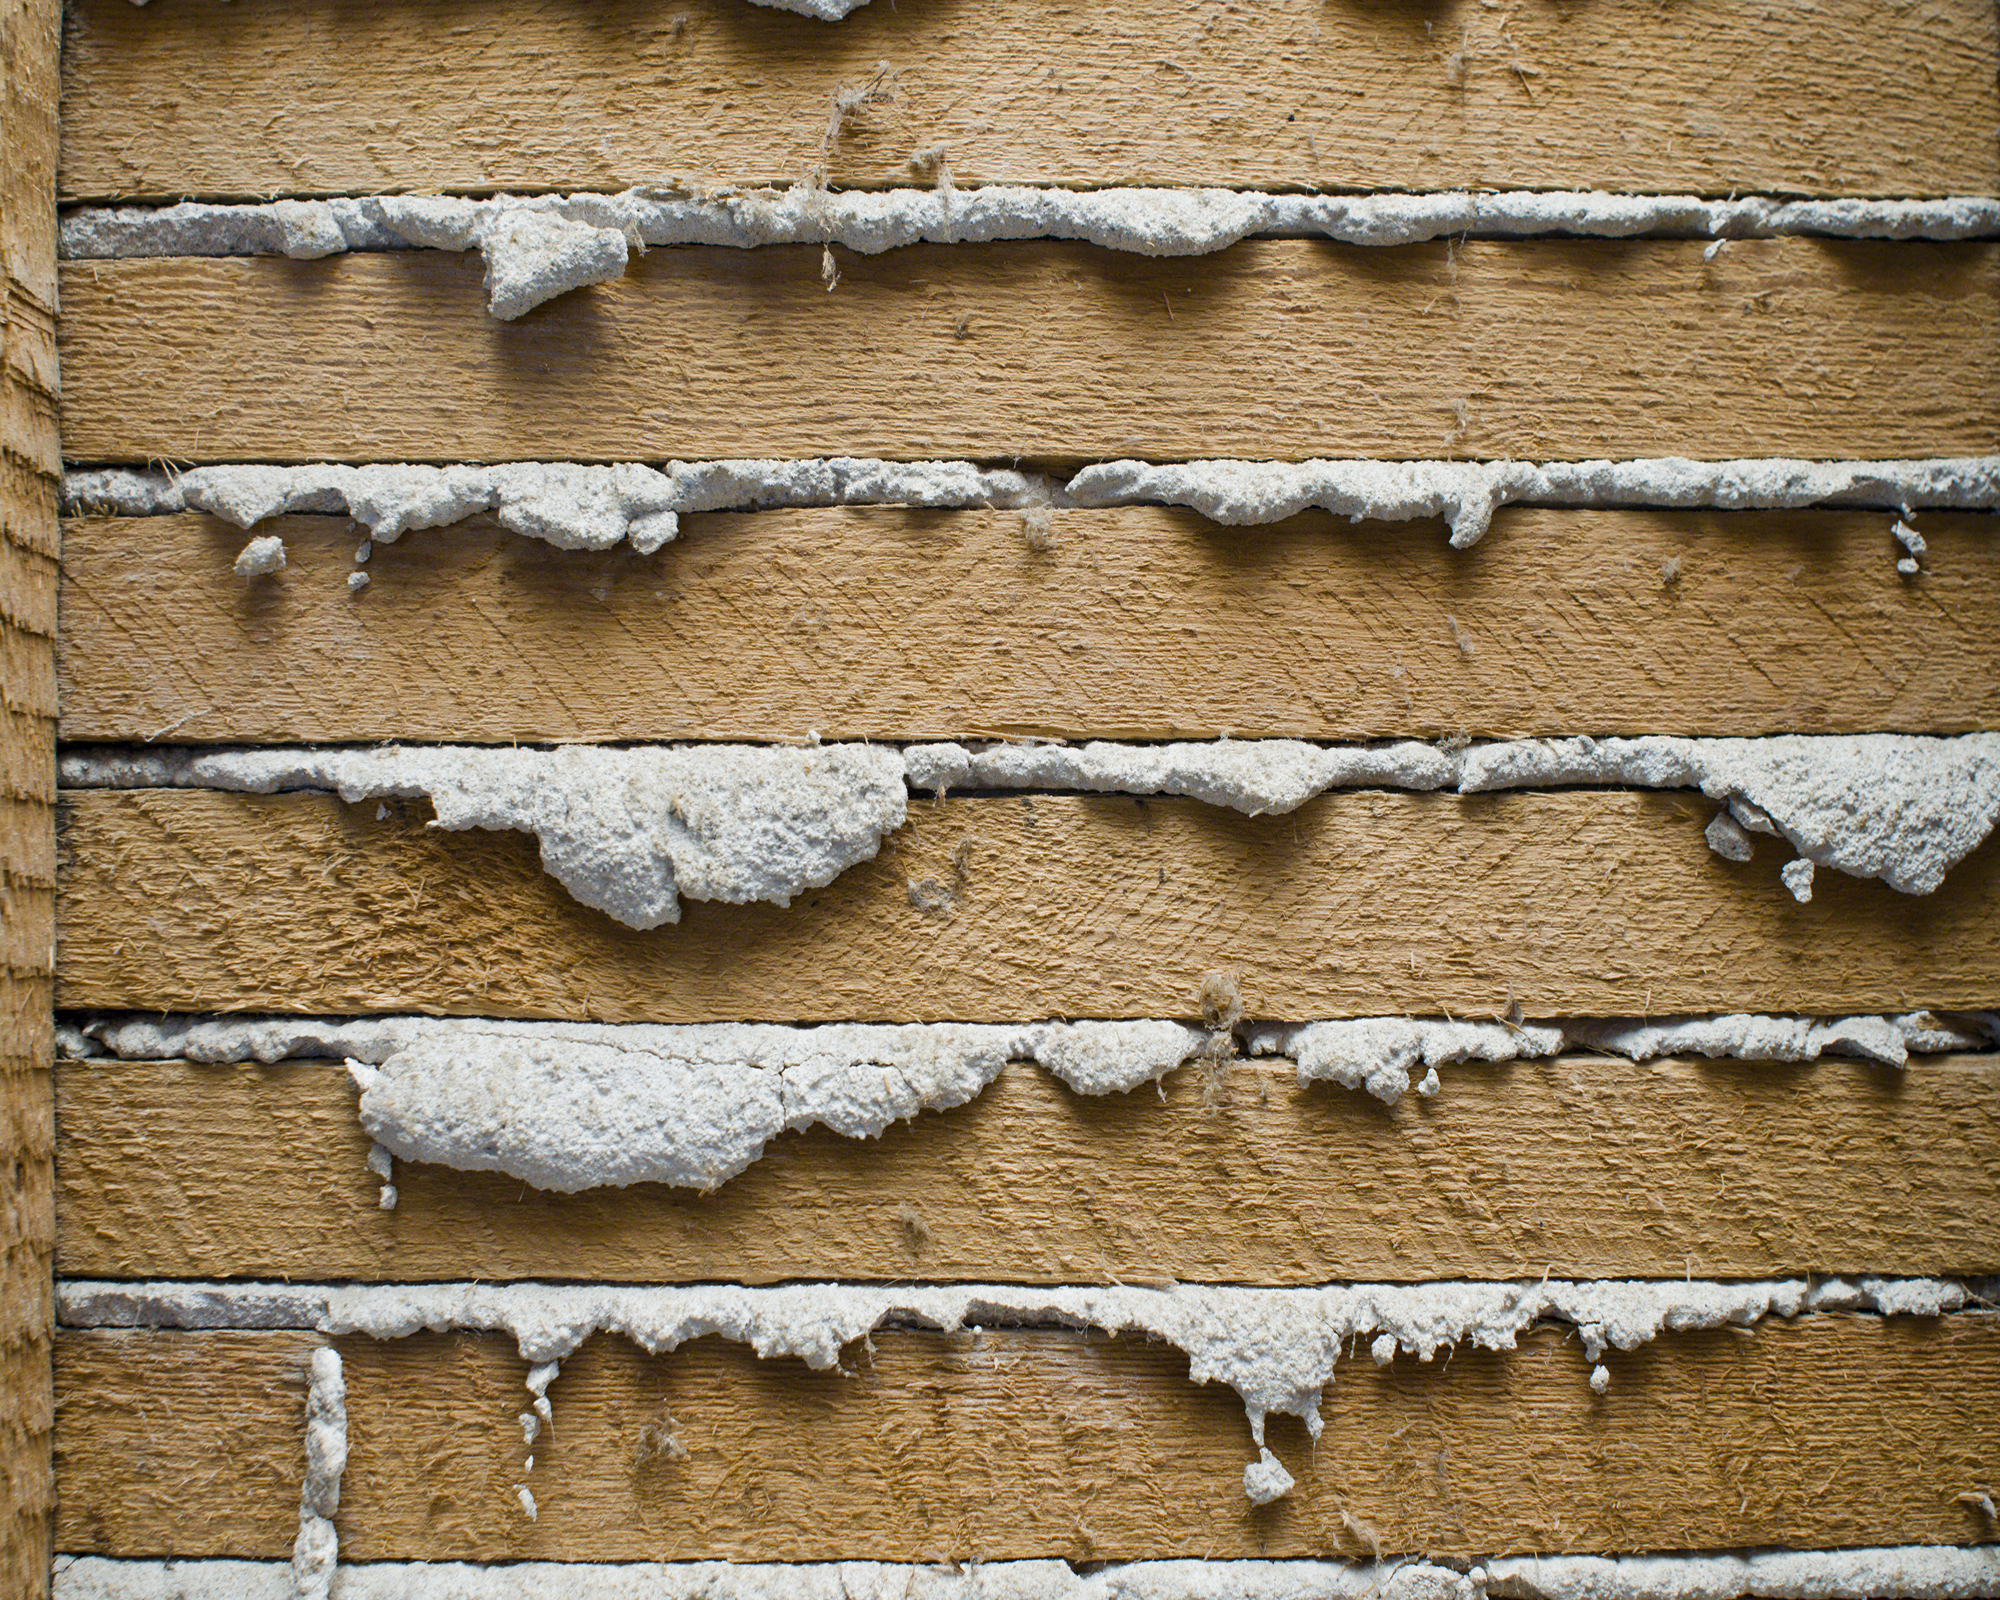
(1358, 903)
(885, 623)
(1829, 1431)
(1273, 348)
(1579, 1167)
(30, 465)
(1837, 98)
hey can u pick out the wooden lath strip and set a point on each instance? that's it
(1359, 903)
(1579, 1167)
(1533, 349)
(1028, 1442)
(1140, 623)
(1709, 97)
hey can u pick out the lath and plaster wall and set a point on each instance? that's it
(1172, 800)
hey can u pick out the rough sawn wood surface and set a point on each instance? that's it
(30, 466)
(1579, 903)
(1274, 348)
(1707, 96)
(1141, 623)
(1035, 1442)
(1579, 1167)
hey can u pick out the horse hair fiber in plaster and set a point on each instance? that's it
(1912, 1572)
(1277, 1348)
(539, 247)
(579, 507)
(630, 831)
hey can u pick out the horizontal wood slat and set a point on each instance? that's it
(884, 623)
(1833, 1430)
(1579, 1168)
(1839, 98)
(1366, 903)
(1274, 348)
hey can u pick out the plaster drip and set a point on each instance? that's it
(317, 1547)
(574, 1106)
(1910, 1572)
(581, 507)
(538, 247)
(631, 830)
(1276, 1348)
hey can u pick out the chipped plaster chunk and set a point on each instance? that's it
(1727, 839)
(261, 557)
(533, 256)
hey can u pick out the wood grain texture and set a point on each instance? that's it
(884, 623)
(1579, 1167)
(30, 465)
(1830, 1431)
(1359, 903)
(1841, 97)
(1274, 348)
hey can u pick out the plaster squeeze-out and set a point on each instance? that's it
(582, 507)
(1276, 1347)
(632, 830)
(570, 506)
(568, 1106)
(538, 247)
(1467, 493)
(1911, 1572)
(627, 831)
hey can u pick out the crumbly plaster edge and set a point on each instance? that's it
(1908, 1572)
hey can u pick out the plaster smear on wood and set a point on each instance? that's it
(1467, 493)
(539, 247)
(571, 1106)
(1913, 1572)
(317, 1547)
(570, 506)
(594, 507)
(1900, 807)
(1277, 1348)
(629, 830)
